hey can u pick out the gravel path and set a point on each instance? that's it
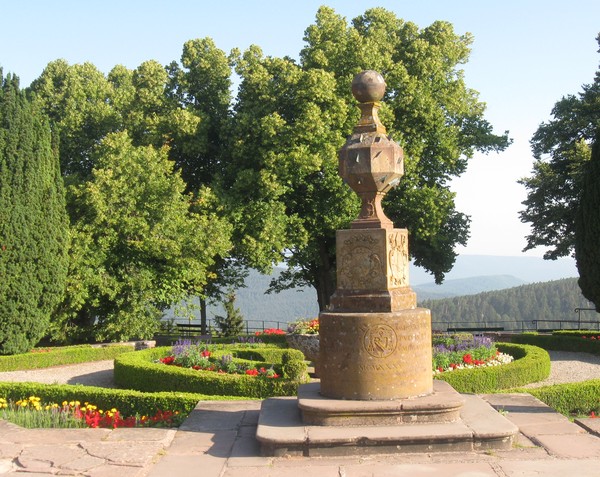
(566, 367)
(95, 373)
(570, 367)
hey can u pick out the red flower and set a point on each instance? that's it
(467, 359)
(205, 354)
(167, 359)
(252, 372)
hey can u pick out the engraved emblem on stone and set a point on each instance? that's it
(380, 341)
(397, 258)
(360, 266)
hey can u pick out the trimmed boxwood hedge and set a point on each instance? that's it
(140, 371)
(61, 356)
(570, 399)
(128, 402)
(561, 341)
(531, 364)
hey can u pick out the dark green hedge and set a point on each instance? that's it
(140, 371)
(61, 356)
(531, 364)
(128, 402)
(570, 399)
(560, 341)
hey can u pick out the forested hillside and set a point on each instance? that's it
(514, 308)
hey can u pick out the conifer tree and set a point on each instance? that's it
(232, 324)
(33, 222)
(587, 229)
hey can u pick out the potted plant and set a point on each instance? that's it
(304, 336)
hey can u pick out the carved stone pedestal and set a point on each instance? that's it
(371, 356)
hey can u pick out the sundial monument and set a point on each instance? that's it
(376, 392)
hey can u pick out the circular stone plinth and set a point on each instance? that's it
(373, 356)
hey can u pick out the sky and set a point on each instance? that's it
(526, 55)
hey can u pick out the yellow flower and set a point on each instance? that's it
(65, 403)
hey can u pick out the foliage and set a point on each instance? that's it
(45, 357)
(565, 341)
(304, 327)
(179, 108)
(128, 401)
(587, 227)
(141, 371)
(33, 413)
(33, 222)
(137, 245)
(561, 148)
(232, 323)
(291, 119)
(452, 350)
(570, 399)
(553, 300)
(531, 364)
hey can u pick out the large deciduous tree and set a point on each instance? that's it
(587, 228)
(33, 222)
(561, 148)
(140, 243)
(291, 118)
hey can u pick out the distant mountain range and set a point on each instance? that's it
(471, 274)
(465, 286)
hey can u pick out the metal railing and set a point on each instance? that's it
(252, 326)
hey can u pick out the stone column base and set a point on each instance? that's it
(375, 356)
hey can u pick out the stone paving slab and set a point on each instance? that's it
(591, 425)
(219, 441)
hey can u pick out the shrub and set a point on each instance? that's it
(140, 371)
(531, 364)
(128, 402)
(570, 399)
(561, 341)
(47, 357)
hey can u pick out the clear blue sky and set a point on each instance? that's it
(527, 54)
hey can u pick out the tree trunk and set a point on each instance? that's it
(325, 277)
(203, 321)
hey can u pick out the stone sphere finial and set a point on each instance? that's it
(368, 86)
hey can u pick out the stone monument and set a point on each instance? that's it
(375, 342)
(376, 391)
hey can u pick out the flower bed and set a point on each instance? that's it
(33, 413)
(198, 356)
(144, 371)
(465, 351)
(531, 364)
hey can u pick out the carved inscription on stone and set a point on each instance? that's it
(380, 340)
(398, 259)
(362, 263)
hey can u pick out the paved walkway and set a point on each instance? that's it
(217, 440)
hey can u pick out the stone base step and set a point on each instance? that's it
(281, 431)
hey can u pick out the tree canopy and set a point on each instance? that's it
(562, 148)
(262, 165)
(292, 117)
(139, 243)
